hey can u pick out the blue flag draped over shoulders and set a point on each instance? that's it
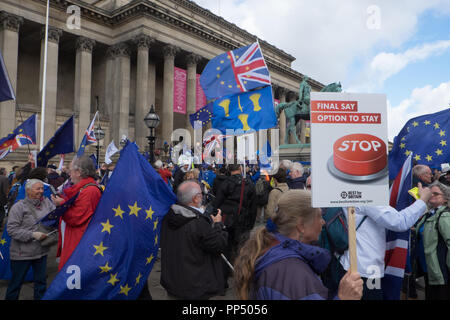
(118, 250)
(426, 137)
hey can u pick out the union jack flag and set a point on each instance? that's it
(22, 135)
(240, 70)
(89, 137)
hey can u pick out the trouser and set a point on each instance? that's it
(2, 214)
(19, 269)
(436, 292)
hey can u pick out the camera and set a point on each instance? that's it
(209, 209)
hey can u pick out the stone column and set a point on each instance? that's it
(282, 94)
(83, 79)
(191, 88)
(51, 89)
(167, 110)
(121, 94)
(143, 43)
(9, 47)
(109, 84)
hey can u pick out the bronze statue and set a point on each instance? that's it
(300, 106)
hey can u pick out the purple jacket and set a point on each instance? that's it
(289, 271)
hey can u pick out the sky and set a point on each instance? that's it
(400, 48)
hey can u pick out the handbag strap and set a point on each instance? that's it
(242, 195)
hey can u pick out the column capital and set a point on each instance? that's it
(170, 51)
(9, 21)
(143, 41)
(282, 91)
(192, 59)
(120, 50)
(54, 34)
(85, 44)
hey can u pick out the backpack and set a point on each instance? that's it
(262, 190)
(334, 237)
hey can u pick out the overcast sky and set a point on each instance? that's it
(400, 48)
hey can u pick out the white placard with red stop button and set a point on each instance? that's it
(349, 149)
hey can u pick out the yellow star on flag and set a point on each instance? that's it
(415, 123)
(155, 225)
(442, 133)
(429, 158)
(119, 212)
(99, 249)
(138, 278)
(439, 152)
(150, 213)
(156, 240)
(125, 289)
(106, 226)
(407, 152)
(113, 279)
(402, 145)
(427, 122)
(443, 143)
(436, 125)
(2, 242)
(149, 259)
(417, 157)
(134, 209)
(105, 268)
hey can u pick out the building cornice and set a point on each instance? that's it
(166, 16)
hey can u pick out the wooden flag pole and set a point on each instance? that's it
(352, 239)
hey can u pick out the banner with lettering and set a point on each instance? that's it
(349, 149)
(200, 95)
(179, 90)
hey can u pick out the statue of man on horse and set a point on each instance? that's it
(300, 107)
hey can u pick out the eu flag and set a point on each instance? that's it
(120, 245)
(22, 135)
(6, 90)
(240, 70)
(62, 142)
(246, 111)
(204, 115)
(426, 138)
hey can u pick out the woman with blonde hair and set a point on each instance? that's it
(280, 262)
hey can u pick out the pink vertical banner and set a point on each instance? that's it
(179, 90)
(200, 95)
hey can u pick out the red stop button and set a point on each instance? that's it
(359, 154)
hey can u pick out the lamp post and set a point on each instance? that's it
(151, 121)
(99, 135)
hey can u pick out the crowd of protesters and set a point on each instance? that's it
(231, 222)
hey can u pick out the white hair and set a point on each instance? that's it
(297, 167)
(29, 184)
(158, 164)
(286, 164)
(186, 191)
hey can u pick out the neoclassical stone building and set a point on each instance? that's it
(123, 55)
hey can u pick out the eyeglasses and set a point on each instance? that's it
(436, 194)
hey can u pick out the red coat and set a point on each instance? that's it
(77, 217)
(165, 174)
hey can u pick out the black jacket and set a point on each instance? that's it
(191, 265)
(220, 178)
(227, 200)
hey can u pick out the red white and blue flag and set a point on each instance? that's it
(88, 138)
(397, 243)
(22, 135)
(240, 70)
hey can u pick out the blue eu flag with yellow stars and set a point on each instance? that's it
(116, 253)
(204, 115)
(62, 142)
(426, 137)
(249, 110)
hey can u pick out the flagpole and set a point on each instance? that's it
(44, 78)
